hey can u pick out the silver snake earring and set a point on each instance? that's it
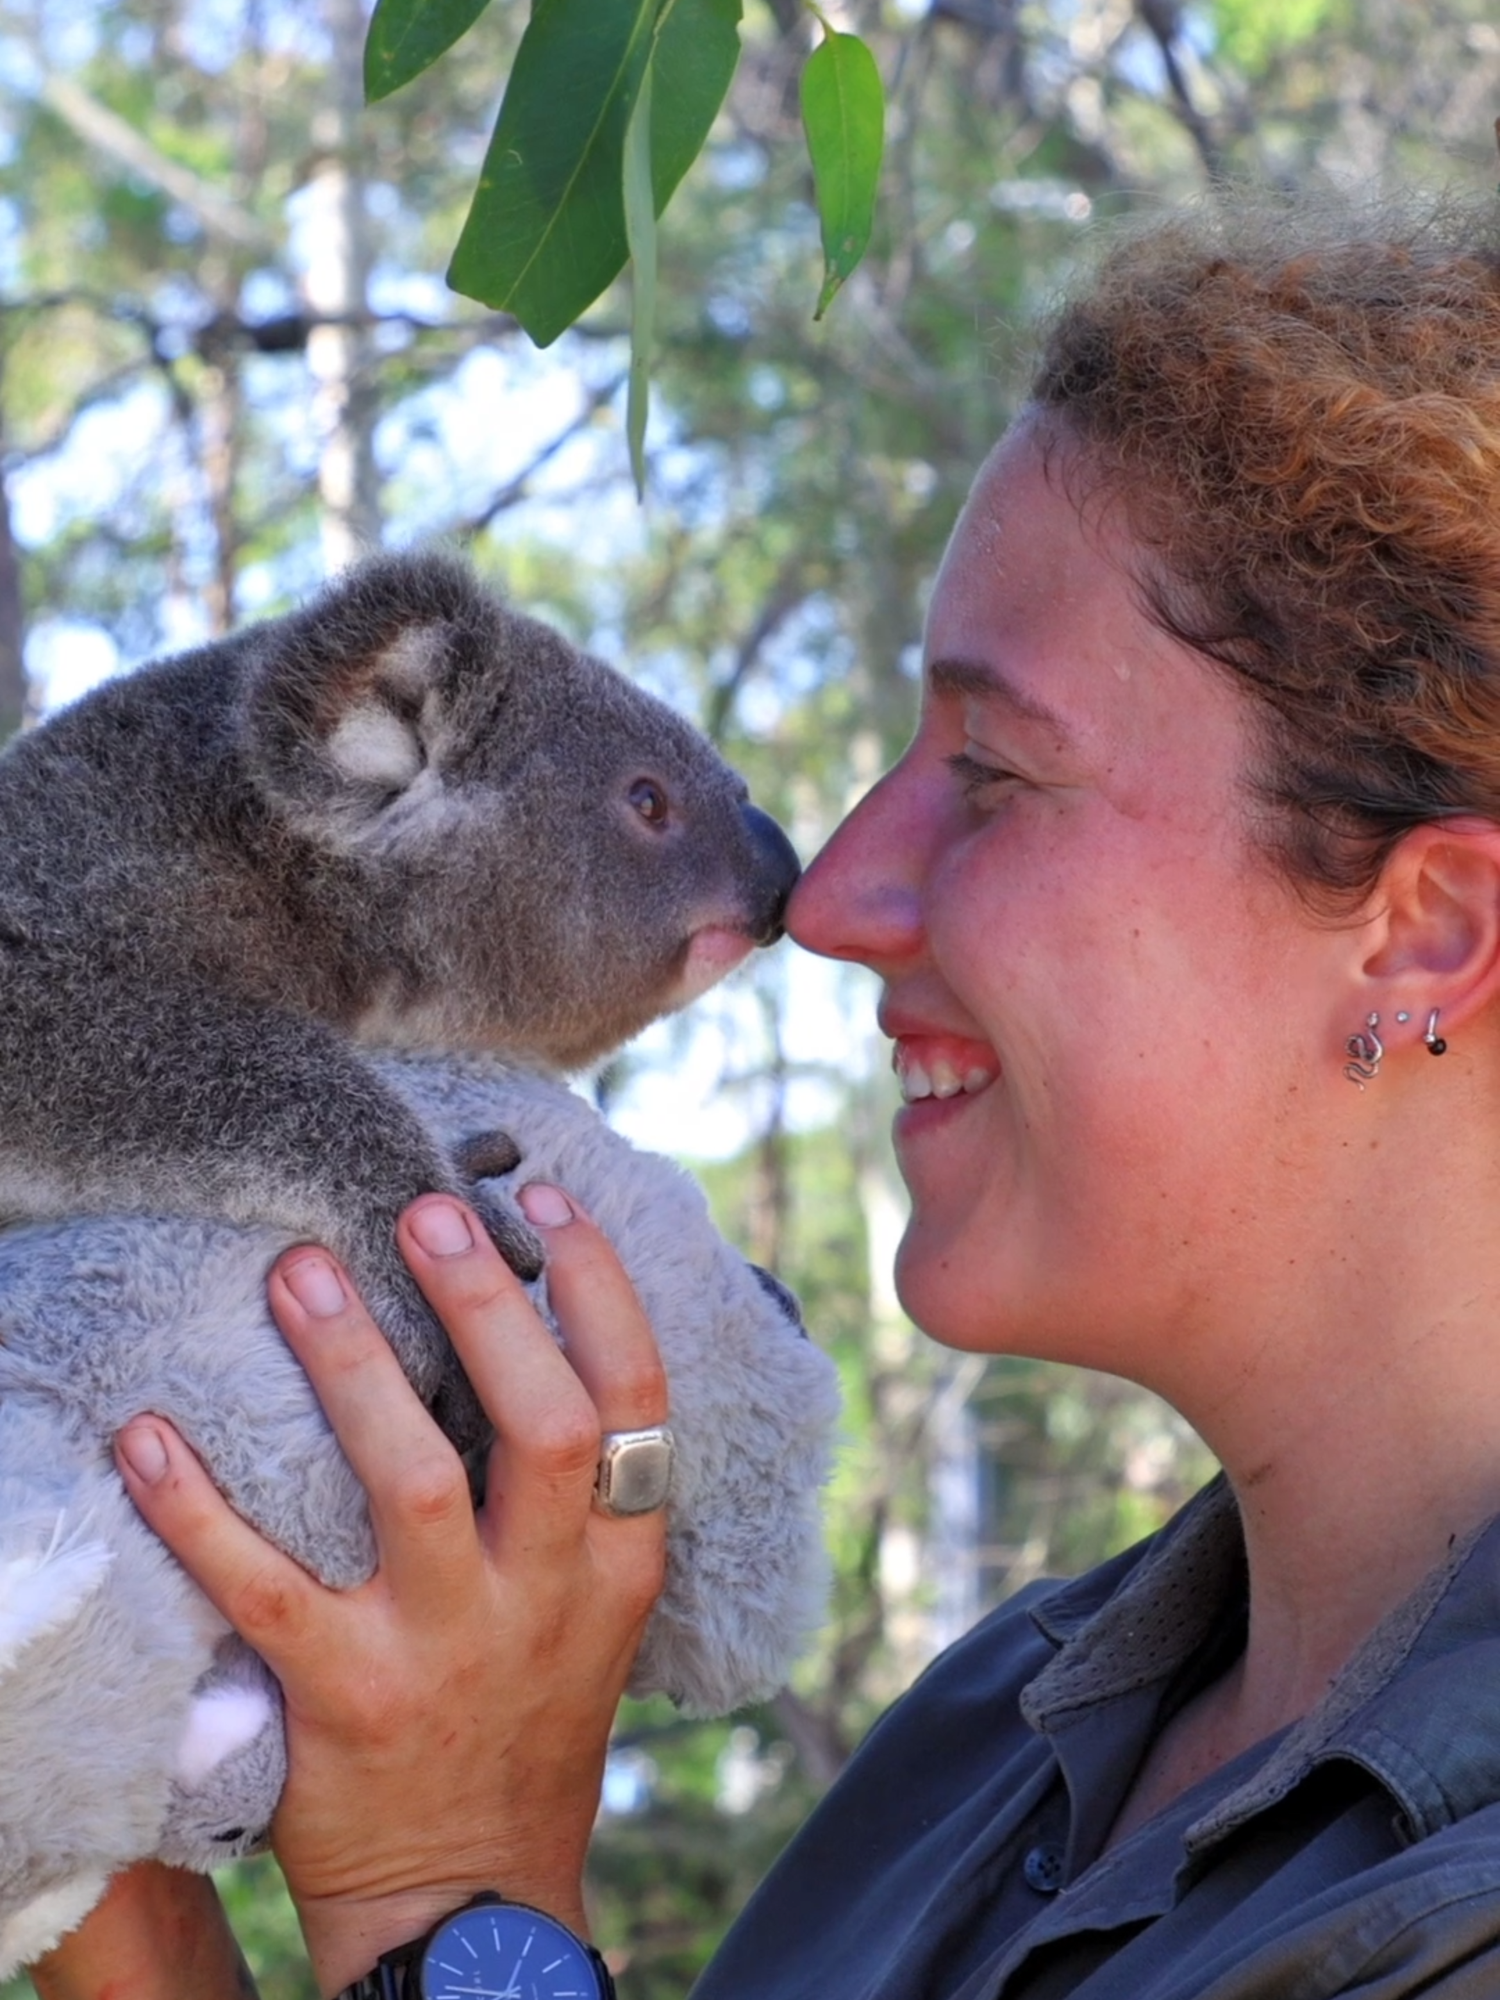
(1364, 1050)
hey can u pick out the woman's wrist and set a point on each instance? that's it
(385, 1902)
(346, 1936)
(158, 1934)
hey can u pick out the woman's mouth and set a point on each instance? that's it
(932, 1066)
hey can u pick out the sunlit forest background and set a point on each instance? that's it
(228, 361)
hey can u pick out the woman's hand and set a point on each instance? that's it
(447, 1721)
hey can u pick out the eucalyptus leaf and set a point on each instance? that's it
(408, 36)
(546, 232)
(843, 115)
(640, 231)
(697, 49)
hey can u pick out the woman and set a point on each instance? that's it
(1192, 868)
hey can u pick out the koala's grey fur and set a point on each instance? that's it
(131, 1722)
(406, 815)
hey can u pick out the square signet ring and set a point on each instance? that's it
(635, 1471)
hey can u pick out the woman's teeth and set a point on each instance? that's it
(937, 1077)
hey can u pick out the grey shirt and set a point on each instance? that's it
(958, 1857)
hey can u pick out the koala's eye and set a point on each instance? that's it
(650, 801)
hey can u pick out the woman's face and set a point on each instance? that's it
(1093, 983)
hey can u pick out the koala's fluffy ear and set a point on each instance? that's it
(344, 703)
(379, 738)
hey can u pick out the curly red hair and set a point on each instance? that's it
(1299, 408)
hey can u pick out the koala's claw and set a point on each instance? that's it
(784, 1296)
(483, 1156)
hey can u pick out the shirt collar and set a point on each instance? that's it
(1138, 1619)
(1418, 1706)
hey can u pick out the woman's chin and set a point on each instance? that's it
(937, 1295)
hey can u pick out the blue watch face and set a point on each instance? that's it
(503, 1951)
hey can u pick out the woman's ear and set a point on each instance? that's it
(1435, 937)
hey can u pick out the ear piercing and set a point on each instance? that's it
(1364, 1050)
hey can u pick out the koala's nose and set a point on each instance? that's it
(776, 872)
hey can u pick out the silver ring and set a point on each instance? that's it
(635, 1471)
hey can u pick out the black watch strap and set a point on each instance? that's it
(394, 1977)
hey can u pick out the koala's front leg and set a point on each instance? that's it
(195, 1104)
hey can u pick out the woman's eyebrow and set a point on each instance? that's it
(973, 677)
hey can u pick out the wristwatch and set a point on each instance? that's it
(489, 1950)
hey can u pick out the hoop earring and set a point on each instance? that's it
(1436, 1046)
(1364, 1050)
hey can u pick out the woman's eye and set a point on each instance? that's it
(975, 776)
(650, 801)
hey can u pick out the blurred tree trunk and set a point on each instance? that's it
(13, 688)
(220, 407)
(336, 290)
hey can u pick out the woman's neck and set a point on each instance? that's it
(1357, 1416)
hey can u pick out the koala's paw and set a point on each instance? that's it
(485, 1156)
(394, 1301)
(520, 1246)
(783, 1295)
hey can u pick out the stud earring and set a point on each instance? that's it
(1364, 1050)
(1436, 1046)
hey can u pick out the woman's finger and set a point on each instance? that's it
(417, 1489)
(545, 1421)
(609, 1339)
(611, 1345)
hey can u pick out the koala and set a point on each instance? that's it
(404, 816)
(294, 928)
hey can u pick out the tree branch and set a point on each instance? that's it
(104, 129)
(514, 489)
(784, 599)
(1163, 19)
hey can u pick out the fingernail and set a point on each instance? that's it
(143, 1451)
(316, 1286)
(545, 1204)
(441, 1229)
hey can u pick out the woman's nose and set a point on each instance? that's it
(860, 898)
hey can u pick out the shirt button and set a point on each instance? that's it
(1043, 1869)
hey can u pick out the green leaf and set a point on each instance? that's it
(408, 36)
(697, 48)
(843, 114)
(546, 232)
(640, 233)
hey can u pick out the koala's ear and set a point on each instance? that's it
(381, 737)
(344, 704)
